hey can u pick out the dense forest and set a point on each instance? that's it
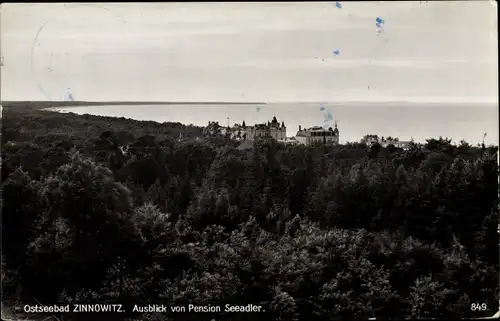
(99, 209)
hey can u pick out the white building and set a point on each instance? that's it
(397, 143)
(385, 142)
(318, 135)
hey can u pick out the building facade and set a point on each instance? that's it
(397, 143)
(385, 142)
(318, 134)
(272, 129)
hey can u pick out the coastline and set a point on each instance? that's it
(463, 121)
(50, 104)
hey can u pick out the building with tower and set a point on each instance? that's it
(272, 129)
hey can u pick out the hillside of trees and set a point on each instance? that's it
(112, 210)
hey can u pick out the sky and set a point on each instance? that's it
(267, 52)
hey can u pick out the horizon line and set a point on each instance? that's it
(136, 102)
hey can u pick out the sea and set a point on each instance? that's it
(417, 121)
